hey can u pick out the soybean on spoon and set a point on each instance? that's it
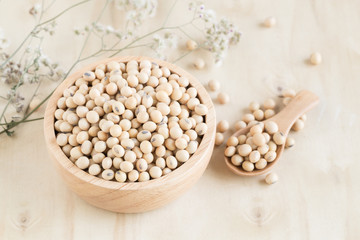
(299, 105)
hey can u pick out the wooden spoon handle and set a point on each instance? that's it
(299, 105)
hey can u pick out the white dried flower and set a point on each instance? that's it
(47, 28)
(44, 60)
(98, 27)
(35, 9)
(101, 30)
(171, 40)
(16, 100)
(158, 43)
(77, 31)
(161, 43)
(219, 35)
(109, 29)
(137, 11)
(60, 73)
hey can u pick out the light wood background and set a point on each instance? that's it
(318, 194)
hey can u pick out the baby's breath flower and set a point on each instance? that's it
(47, 28)
(60, 73)
(109, 29)
(77, 31)
(11, 73)
(16, 100)
(219, 35)
(100, 29)
(137, 11)
(34, 11)
(160, 43)
(171, 40)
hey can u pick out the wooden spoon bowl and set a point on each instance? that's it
(302, 102)
(137, 196)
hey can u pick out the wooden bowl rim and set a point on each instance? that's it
(65, 162)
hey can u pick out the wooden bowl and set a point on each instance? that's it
(137, 196)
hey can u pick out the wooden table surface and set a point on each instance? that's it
(318, 194)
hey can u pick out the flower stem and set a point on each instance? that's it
(38, 25)
(168, 15)
(131, 47)
(20, 82)
(89, 33)
(42, 10)
(16, 50)
(136, 40)
(62, 12)
(79, 59)
(34, 94)
(25, 118)
(29, 120)
(148, 34)
(182, 56)
(49, 6)
(6, 106)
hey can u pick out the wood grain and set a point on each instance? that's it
(317, 196)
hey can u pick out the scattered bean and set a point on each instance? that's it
(214, 85)
(223, 98)
(191, 45)
(298, 125)
(271, 178)
(315, 58)
(219, 138)
(222, 126)
(270, 22)
(290, 142)
(199, 63)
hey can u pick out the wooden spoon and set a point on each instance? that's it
(299, 105)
